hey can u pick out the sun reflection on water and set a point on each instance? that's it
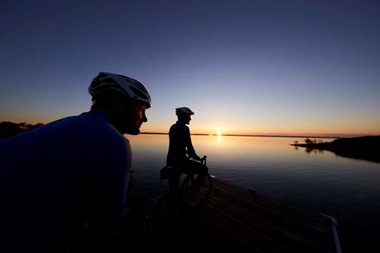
(219, 135)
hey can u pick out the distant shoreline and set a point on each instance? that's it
(363, 147)
(8, 129)
(264, 135)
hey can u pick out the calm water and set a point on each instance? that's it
(346, 188)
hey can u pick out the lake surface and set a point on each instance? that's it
(319, 181)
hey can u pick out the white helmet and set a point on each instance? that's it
(130, 87)
(183, 110)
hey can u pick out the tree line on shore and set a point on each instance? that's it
(8, 128)
(363, 147)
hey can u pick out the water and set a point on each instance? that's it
(345, 188)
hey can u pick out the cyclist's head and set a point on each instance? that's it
(184, 114)
(122, 99)
(105, 83)
(183, 111)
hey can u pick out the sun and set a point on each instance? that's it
(217, 132)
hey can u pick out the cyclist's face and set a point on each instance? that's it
(129, 118)
(185, 118)
(133, 116)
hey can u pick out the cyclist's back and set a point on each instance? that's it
(46, 171)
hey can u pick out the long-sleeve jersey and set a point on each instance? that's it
(180, 145)
(59, 175)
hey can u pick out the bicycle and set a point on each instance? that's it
(170, 217)
(130, 234)
(188, 190)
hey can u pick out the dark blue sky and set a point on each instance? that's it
(301, 67)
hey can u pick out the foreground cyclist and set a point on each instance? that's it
(181, 152)
(71, 171)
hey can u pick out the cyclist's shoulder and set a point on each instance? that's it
(73, 124)
(86, 131)
(48, 133)
(95, 125)
(179, 127)
(87, 125)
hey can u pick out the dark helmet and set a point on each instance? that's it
(183, 111)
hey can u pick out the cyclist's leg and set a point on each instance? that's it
(164, 223)
(200, 195)
(174, 181)
(202, 171)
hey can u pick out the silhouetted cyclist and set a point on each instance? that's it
(181, 152)
(71, 171)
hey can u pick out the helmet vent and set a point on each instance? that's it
(138, 92)
(109, 80)
(101, 75)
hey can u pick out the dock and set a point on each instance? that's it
(242, 220)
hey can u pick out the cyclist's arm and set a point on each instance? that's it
(132, 180)
(189, 146)
(109, 185)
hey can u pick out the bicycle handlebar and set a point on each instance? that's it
(203, 160)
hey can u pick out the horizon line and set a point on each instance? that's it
(331, 136)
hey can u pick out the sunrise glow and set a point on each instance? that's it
(313, 73)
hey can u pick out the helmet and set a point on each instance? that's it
(183, 110)
(130, 87)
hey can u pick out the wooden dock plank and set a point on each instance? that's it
(263, 224)
(239, 219)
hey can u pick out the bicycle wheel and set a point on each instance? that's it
(200, 196)
(163, 221)
(133, 229)
(77, 241)
(187, 187)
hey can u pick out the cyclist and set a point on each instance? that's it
(71, 171)
(181, 154)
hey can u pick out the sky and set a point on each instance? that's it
(243, 66)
